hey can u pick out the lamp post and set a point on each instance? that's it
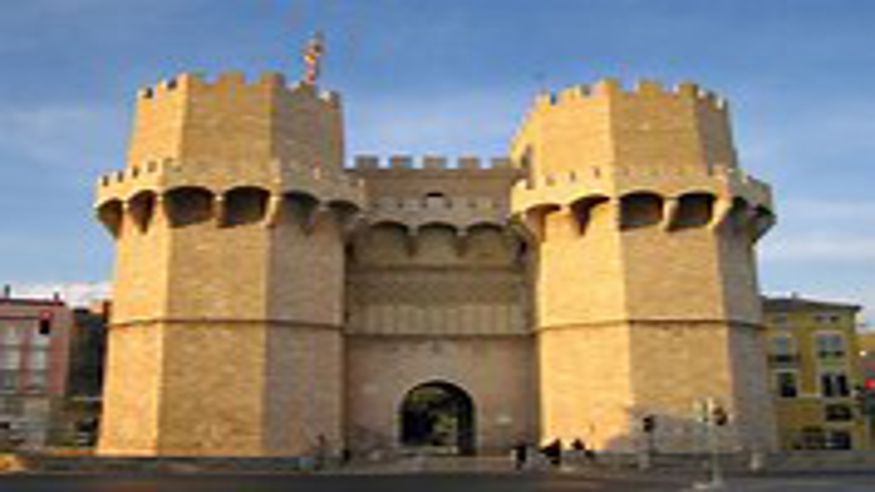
(712, 415)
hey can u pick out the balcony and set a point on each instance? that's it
(784, 359)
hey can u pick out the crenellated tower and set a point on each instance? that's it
(229, 222)
(269, 301)
(645, 281)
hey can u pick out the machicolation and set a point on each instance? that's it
(272, 298)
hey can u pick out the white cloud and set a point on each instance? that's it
(819, 248)
(819, 209)
(75, 294)
(821, 136)
(65, 136)
(456, 123)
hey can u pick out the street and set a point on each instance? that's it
(424, 483)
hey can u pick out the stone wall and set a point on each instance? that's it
(497, 372)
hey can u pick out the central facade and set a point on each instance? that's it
(270, 301)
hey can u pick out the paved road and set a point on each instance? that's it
(422, 483)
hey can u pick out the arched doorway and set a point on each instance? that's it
(440, 416)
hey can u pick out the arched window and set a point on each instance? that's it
(694, 210)
(584, 208)
(435, 199)
(110, 214)
(142, 207)
(527, 165)
(640, 210)
(299, 207)
(189, 205)
(245, 206)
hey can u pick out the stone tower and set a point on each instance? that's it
(228, 298)
(645, 283)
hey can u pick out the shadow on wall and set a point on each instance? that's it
(241, 206)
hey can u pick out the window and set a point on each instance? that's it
(812, 438)
(834, 385)
(39, 339)
(10, 406)
(10, 335)
(8, 381)
(782, 349)
(786, 384)
(436, 199)
(37, 381)
(527, 165)
(838, 413)
(38, 360)
(10, 358)
(830, 345)
(838, 439)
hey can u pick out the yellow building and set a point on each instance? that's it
(815, 371)
(866, 339)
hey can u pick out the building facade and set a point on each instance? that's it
(34, 340)
(816, 374)
(85, 380)
(269, 300)
(867, 357)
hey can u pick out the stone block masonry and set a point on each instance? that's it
(271, 302)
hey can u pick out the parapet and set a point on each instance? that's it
(195, 83)
(610, 181)
(370, 163)
(161, 176)
(607, 121)
(607, 88)
(458, 212)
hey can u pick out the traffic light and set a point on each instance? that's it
(45, 323)
(648, 423)
(865, 396)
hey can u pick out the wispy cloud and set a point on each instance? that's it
(831, 210)
(63, 136)
(817, 247)
(453, 123)
(74, 294)
(828, 136)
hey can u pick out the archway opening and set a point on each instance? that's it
(438, 417)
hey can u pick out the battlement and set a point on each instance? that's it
(195, 83)
(278, 176)
(369, 163)
(650, 124)
(645, 88)
(232, 118)
(647, 173)
(559, 189)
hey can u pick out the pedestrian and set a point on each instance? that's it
(321, 452)
(520, 452)
(578, 451)
(590, 455)
(553, 452)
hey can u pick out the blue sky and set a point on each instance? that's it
(448, 77)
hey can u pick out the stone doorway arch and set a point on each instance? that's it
(439, 417)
